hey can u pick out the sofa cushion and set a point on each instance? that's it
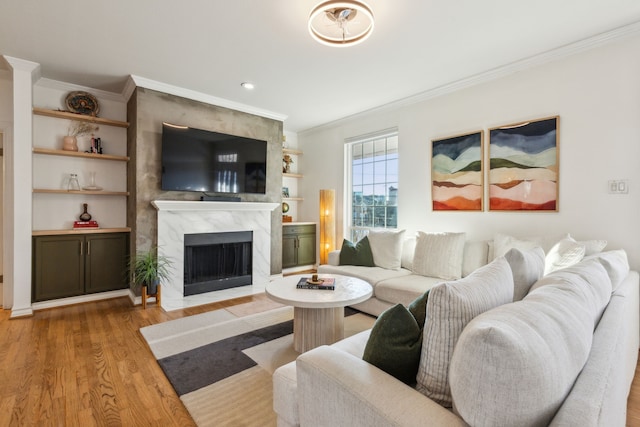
(395, 343)
(373, 275)
(527, 268)
(356, 254)
(404, 289)
(439, 255)
(565, 253)
(450, 307)
(516, 364)
(386, 246)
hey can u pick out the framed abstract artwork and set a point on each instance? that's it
(523, 166)
(456, 173)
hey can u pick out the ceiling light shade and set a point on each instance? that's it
(341, 23)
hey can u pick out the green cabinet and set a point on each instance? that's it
(70, 265)
(298, 245)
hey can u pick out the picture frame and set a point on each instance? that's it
(285, 192)
(524, 166)
(457, 172)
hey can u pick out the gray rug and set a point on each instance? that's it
(221, 364)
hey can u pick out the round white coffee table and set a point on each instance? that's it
(318, 315)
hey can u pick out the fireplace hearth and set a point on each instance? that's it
(217, 261)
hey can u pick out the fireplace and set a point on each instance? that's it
(217, 261)
(177, 219)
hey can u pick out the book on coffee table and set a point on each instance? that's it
(327, 283)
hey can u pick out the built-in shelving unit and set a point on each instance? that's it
(77, 261)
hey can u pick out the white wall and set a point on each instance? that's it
(595, 93)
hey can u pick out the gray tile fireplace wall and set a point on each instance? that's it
(146, 111)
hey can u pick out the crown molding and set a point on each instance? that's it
(202, 97)
(493, 74)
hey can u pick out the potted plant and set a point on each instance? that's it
(148, 269)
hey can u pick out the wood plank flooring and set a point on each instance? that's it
(88, 365)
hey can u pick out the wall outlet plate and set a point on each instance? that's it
(618, 186)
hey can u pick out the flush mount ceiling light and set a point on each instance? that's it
(247, 85)
(341, 23)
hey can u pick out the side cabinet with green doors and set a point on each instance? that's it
(298, 245)
(68, 265)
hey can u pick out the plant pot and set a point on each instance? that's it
(152, 288)
(70, 143)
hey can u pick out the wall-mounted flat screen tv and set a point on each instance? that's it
(212, 162)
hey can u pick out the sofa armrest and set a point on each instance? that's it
(334, 257)
(337, 388)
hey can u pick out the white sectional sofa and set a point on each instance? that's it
(564, 355)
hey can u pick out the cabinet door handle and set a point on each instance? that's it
(89, 248)
(81, 248)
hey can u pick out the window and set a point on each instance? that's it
(372, 183)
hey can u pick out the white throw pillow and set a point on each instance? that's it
(386, 248)
(563, 254)
(502, 243)
(439, 255)
(527, 268)
(408, 248)
(451, 305)
(592, 247)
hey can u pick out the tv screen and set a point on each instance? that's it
(212, 162)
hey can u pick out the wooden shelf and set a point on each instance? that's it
(78, 117)
(292, 199)
(292, 151)
(80, 231)
(97, 193)
(53, 152)
(292, 175)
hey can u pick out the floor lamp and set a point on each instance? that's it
(327, 224)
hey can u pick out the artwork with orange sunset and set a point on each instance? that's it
(523, 166)
(456, 173)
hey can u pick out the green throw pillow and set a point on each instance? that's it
(395, 344)
(358, 254)
(419, 309)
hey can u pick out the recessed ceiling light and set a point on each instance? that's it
(247, 85)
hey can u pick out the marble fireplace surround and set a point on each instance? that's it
(177, 218)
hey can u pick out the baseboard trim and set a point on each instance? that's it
(43, 305)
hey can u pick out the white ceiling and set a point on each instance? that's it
(211, 46)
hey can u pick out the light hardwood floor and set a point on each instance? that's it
(88, 365)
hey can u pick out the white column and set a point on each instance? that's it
(18, 190)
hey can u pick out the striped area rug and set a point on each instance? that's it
(220, 363)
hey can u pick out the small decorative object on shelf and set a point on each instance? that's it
(285, 192)
(85, 224)
(82, 103)
(285, 207)
(287, 160)
(85, 216)
(73, 184)
(287, 218)
(76, 129)
(92, 186)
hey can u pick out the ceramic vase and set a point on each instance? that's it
(70, 143)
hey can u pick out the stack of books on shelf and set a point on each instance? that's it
(327, 283)
(85, 224)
